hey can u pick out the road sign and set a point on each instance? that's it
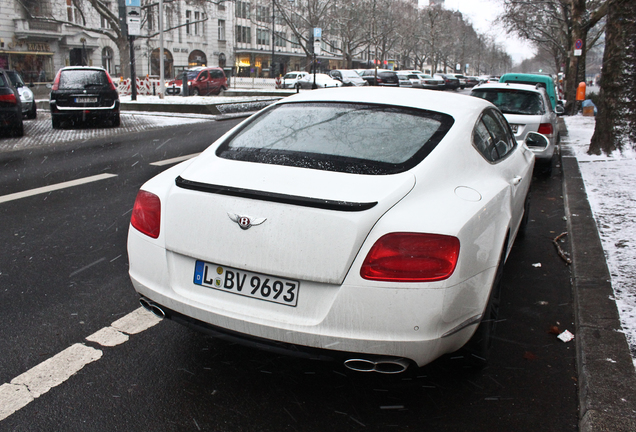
(134, 3)
(134, 26)
(317, 48)
(317, 33)
(578, 44)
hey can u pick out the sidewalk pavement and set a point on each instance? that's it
(607, 379)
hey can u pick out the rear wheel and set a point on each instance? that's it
(477, 349)
(33, 113)
(55, 122)
(18, 130)
(195, 92)
(116, 120)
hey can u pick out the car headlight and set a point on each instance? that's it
(27, 95)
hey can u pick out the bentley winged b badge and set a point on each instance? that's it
(246, 222)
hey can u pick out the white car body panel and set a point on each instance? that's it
(337, 309)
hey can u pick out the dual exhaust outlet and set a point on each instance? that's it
(379, 365)
(151, 307)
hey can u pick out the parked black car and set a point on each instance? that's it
(450, 81)
(10, 108)
(29, 108)
(384, 77)
(81, 94)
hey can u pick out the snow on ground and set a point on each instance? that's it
(195, 100)
(609, 183)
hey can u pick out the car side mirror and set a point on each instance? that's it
(559, 110)
(537, 141)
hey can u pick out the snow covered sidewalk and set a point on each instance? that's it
(610, 183)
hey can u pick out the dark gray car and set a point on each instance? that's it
(10, 108)
(81, 94)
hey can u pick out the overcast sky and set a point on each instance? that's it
(482, 13)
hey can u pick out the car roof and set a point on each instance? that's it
(509, 86)
(456, 105)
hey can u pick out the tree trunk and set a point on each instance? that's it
(573, 76)
(616, 119)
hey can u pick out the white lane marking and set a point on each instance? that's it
(32, 384)
(108, 337)
(54, 187)
(175, 160)
(136, 321)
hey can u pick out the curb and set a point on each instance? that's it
(607, 377)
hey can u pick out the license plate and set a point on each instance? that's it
(85, 100)
(248, 284)
(514, 128)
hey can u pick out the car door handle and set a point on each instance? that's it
(516, 180)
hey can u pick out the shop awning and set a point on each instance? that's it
(27, 52)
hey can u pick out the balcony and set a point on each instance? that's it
(37, 29)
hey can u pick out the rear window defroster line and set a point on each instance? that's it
(275, 197)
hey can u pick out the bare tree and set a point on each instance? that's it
(557, 24)
(616, 119)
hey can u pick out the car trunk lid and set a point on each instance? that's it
(304, 223)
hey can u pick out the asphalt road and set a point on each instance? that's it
(63, 277)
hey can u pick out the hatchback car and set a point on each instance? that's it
(381, 78)
(83, 93)
(29, 109)
(528, 109)
(348, 77)
(369, 225)
(430, 83)
(290, 80)
(201, 81)
(10, 107)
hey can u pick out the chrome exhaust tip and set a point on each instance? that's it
(380, 365)
(151, 307)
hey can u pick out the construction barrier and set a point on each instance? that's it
(144, 86)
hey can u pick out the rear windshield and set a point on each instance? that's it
(513, 101)
(354, 138)
(15, 78)
(349, 74)
(81, 79)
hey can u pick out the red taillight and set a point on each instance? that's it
(56, 82)
(146, 214)
(110, 82)
(411, 257)
(545, 129)
(10, 98)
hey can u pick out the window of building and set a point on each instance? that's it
(262, 14)
(221, 29)
(197, 17)
(295, 42)
(107, 59)
(262, 37)
(243, 34)
(104, 23)
(73, 13)
(281, 39)
(242, 9)
(188, 20)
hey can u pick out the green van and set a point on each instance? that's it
(533, 79)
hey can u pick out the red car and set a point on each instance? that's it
(201, 81)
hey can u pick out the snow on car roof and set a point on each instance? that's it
(504, 86)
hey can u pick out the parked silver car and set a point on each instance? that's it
(29, 108)
(527, 109)
(348, 77)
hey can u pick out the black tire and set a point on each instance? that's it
(195, 92)
(55, 122)
(526, 217)
(33, 113)
(116, 120)
(18, 130)
(477, 349)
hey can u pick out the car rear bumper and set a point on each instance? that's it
(418, 324)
